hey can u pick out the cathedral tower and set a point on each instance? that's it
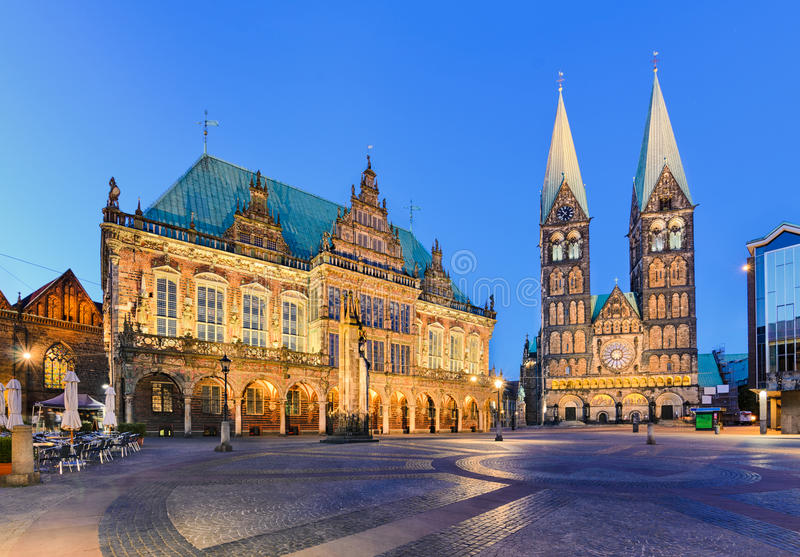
(564, 245)
(661, 239)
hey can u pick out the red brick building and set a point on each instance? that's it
(52, 330)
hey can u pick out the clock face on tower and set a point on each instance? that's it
(565, 213)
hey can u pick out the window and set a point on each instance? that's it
(405, 318)
(676, 236)
(161, 398)
(434, 348)
(657, 237)
(474, 355)
(272, 244)
(258, 241)
(394, 316)
(58, 360)
(293, 324)
(254, 319)
(254, 401)
(401, 356)
(377, 313)
(244, 237)
(210, 301)
(211, 399)
(333, 350)
(456, 351)
(375, 354)
(334, 302)
(293, 402)
(166, 307)
(574, 245)
(372, 311)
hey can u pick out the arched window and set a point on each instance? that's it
(580, 342)
(555, 343)
(556, 283)
(676, 234)
(557, 247)
(566, 342)
(574, 245)
(58, 360)
(669, 336)
(657, 236)
(675, 305)
(683, 336)
(655, 274)
(573, 313)
(576, 281)
(684, 305)
(677, 272)
(652, 307)
(655, 338)
(560, 313)
(553, 314)
(662, 306)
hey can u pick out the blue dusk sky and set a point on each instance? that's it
(457, 98)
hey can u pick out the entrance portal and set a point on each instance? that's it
(570, 413)
(667, 413)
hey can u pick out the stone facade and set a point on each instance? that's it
(179, 298)
(614, 357)
(60, 327)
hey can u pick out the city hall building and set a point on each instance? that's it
(229, 262)
(616, 356)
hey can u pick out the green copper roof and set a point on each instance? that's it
(211, 187)
(659, 148)
(598, 301)
(707, 371)
(562, 165)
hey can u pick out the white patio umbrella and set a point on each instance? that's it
(71, 420)
(3, 420)
(110, 418)
(14, 404)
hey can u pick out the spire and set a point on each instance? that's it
(659, 149)
(562, 164)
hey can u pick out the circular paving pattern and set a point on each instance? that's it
(608, 471)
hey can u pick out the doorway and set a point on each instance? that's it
(570, 413)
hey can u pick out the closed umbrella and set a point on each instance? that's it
(71, 420)
(3, 420)
(14, 404)
(110, 418)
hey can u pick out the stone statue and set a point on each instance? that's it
(113, 193)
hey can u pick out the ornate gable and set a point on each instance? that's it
(363, 231)
(255, 227)
(4, 304)
(436, 281)
(616, 309)
(63, 299)
(565, 197)
(667, 194)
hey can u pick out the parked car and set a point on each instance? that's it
(745, 417)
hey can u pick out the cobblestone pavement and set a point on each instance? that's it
(593, 491)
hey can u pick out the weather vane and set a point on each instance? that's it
(560, 80)
(411, 208)
(205, 123)
(655, 60)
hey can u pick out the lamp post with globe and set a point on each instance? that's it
(498, 383)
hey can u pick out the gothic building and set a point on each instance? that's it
(229, 262)
(617, 355)
(54, 329)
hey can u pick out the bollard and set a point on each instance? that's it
(651, 440)
(22, 472)
(225, 439)
(636, 427)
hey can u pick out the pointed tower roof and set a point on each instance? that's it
(659, 149)
(562, 164)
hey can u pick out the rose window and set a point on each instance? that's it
(617, 355)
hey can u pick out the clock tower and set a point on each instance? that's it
(564, 248)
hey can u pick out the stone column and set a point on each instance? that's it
(459, 421)
(436, 422)
(412, 418)
(282, 413)
(322, 417)
(129, 408)
(237, 417)
(22, 458)
(187, 416)
(386, 419)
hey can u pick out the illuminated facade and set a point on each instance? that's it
(230, 262)
(614, 357)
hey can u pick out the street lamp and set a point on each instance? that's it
(225, 362)
(225, 430)
(27, 355)
(498, 383)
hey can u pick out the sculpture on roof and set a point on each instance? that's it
(113, 193)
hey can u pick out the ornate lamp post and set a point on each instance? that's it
(225, 430)
(498, 383)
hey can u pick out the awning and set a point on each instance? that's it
(85, 402)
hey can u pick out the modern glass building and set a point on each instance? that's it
(773, 300)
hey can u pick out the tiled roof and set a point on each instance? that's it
(707, 371)
(562, 165)
(659, 148)
(210, 190)
(598, 301)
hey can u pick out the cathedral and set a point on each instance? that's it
(616, 356)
